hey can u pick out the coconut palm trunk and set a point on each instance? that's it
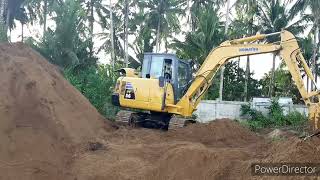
(246, 82)
(158, 34)
(45, 14)
(3, 8)
(8, 18)
(318, 46)
(271, 85)
(22, 31)
(126, 59)
(314, 55)
(91, 22)
(158, 27)
(112, 37)
(222, 68)
(238, 68)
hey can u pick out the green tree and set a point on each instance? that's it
(39, 10)
(67, 44)
(140, 25)
(234, 80)
(273, 17)
(162, 15)
(209, 33)
(92, 8)
(16, 12)
(306, 45)
(10, 11)
(314, 17)
(284, 85)
(113, 40)
(95, 83)
(21, 16)
(197, 7)
(249, 8)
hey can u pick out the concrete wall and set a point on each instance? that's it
(209, 110)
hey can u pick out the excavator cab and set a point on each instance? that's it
(168, 69)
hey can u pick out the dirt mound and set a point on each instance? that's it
(295, 150)
(218, 133)
(43, 117)
(222, 149)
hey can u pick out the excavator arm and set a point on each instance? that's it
(287, 48)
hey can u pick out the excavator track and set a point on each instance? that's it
(152, 121)
(177, 122)
(123, 117)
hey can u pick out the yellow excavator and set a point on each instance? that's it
(166, 85)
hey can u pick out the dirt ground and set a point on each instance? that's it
(222, 149)
(48, 130)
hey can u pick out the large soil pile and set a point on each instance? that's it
(42, 117)
(48, 130)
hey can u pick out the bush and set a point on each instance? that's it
(275, 117)
(276, 113)
(296, 118)
(256, 119)
(95, 83)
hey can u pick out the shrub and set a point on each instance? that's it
(276, 113)
(297, 120)
(275, 117)
(95, 83)
(256, 119)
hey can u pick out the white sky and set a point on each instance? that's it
(259, 64)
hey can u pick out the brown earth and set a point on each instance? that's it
(42, 117)
(48, 130)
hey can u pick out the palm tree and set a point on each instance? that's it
(249, 8)
(67, 44)
(111, 21)
(306, 45)
(163, 17)
(22, 17)
(40, 9)
(114, 42)
(314, 6)
(222, 68)
(92, 7)
(208, 34)
(273, 17)
(10, 11)
(145, 41)
(238, 29)
(197, 6)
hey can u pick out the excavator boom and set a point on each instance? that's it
(289, 51)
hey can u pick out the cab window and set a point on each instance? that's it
(156, 67)
(182, 75)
